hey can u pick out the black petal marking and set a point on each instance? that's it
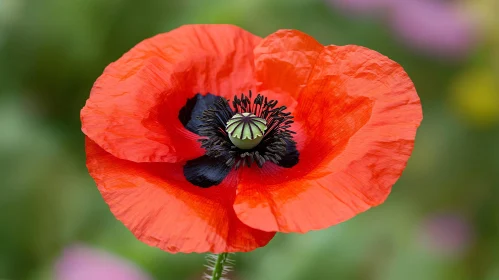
(193, 109)
(206, 171)
(292, 155)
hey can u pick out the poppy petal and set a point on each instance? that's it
(206, 171)
(162, 209)
(282, 70)
(358, 113)
(133, 108)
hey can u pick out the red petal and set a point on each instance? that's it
(358, 114)
(284, 71)
(133, 108)
(156, 203)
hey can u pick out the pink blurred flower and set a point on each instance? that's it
(447, 234)
(434, 26)
(83, 263)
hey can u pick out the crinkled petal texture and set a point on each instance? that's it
(133, 108)
(162, 209)
(137, 146)
(357, 114)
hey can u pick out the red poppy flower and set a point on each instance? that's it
(189, 164)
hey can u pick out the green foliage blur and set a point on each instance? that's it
(51, 52)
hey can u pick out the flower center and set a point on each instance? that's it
(255, 130)
(246, 130)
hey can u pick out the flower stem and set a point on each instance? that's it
(218, 268)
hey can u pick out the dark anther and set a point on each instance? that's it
(277, 145)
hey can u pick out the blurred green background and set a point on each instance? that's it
(441, 221)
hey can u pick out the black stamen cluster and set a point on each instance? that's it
(274, 144)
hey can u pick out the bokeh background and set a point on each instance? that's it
(441, 221)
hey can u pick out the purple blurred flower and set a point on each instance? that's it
(83, 263)
(434, 26)
(447, 234)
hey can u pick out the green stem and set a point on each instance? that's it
(219, 266)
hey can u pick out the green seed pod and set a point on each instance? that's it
(246, 130)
